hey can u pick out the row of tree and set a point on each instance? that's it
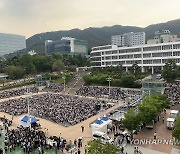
(19, 66)
(119, 70)
(127, 81)
(148, 110)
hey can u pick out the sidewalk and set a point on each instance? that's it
(130, 150)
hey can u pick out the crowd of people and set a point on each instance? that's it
(63, 109)
(173, 93)
(115, 93)
(30, 140)
(54, 87)
(17, 92)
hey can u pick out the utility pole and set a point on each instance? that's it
(109, 80)
(28, 101)
(64, 78)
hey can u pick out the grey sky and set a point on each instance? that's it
(28, 17)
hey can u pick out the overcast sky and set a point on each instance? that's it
(28, 17)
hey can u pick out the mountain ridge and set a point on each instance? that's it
(99, 35)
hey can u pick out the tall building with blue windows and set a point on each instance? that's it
(10, 43)
(66, 45)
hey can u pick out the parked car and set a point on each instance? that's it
(103, 137)
(170, 123)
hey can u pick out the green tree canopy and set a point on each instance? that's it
(160, 101)
(131, 120)
(135, 69)
(15, 72)
(128, 81)
(58, 66)
(96, 147)
(170, 71)
(176, 131)
(147, 112)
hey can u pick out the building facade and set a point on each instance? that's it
(128, 39)
(163, 36)
(10, 43)
(150, 57)
(66, 45)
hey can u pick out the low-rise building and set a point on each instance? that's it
(163, 36)
(150, 57)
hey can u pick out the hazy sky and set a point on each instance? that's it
(28, 17)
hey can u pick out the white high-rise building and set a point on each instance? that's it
(10, 43)
(128, 39)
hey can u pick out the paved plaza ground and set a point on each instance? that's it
(74, 132)
(69, 133)
(162, 133)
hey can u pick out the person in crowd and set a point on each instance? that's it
(115, 93)
(173, 93)
(62, 109)
(29, 140)
(17, 92)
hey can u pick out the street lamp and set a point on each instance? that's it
(64, 78)
(109, 80)
(28, 100)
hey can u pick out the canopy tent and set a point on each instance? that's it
(98, 122)
(101, 125)
(106, 120)
(26, 121)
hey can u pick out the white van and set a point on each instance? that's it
(170, 123)
(103, 137)
(174, 113)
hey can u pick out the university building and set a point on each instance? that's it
(66, 45)
(150, 57)
(10, 43)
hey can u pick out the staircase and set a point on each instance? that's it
(75, 83)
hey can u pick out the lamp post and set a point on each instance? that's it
(28, 101)
(109, 80)
(56, 148)
(64, 78)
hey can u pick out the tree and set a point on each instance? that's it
(160, 101)
(176, 131)
(147, 112)
(169, 72)
(131, 120)
(56, 56)
(96, 147)
(135, 69)
(15, 72)
(30, 68)
(58, 66)
(127, 81)
(42, 63)
(87, 79)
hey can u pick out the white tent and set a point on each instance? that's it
(106, 120)
(25, 121)
(101, 125)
